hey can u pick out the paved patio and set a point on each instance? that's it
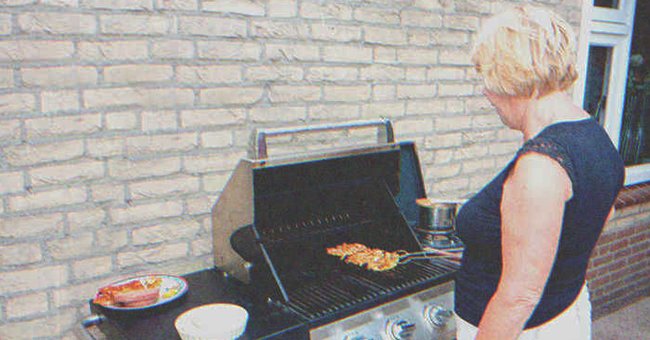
(631, 322)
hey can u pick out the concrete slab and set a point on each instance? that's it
(631, 322)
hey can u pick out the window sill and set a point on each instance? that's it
(633, 195)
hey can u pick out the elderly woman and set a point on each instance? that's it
(530, 231)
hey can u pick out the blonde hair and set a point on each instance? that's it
(527, 52)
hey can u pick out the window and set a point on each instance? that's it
(616, 83)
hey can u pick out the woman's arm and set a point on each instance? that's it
(532, 208)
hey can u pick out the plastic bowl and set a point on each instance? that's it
(219, 321)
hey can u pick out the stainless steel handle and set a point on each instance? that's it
(261, 135)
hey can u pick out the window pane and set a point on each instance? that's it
(598, 66)
(606, 3)
(634, 143)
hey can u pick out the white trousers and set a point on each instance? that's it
(572, 324)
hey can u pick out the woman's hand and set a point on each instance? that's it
(532, 208)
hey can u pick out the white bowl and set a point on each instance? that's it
(218, 321)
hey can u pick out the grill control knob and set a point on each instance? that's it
(400, 329)
(437, 315)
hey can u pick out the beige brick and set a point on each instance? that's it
(166, 232)
(6, 78)
(382, 109)
(346, 93)
(17, 103)
(31, 226)
(113, 50)
(280, 29)
(160, 143)
(429, 4)
(208, 117)
(478, 104)
(47, 199)
(160, 98)
(63, 125)
(20, 254)
(449, 38)
(385, 54)
(384, 92)
(349, 54)
(439, 141)
(382, 73)
(10, 130)
(59, 76)
(187, 5)
(127, 169)
(159, 120)
(313, 10)
(172, 49)
(216, 139)
(377, 15)
(201, 247)
(105, 147)
(472, 166)
(119, 4)
(288, 52)
(124, 120)
(387, 36)
(93, 267)
(11, 182)
(282, 8)
(138, 73)
(134, 24)
(145, 212)
(245, 7)
(199, 205)
(445, 186)
(32, 279)
(212, 26)
(224, 50)
(335, 32)
(158, 254)
(456, 57)
(218, 161)
(471, 152)
(277, 114)
(86, 219)
(77, 294)
(462, 22)
(197, 75)
(5, 24)
(27, 305)
(29, 50)
(41, 327)
(455, 90)
(416, 74)
(332, 74)
(502, 148)
(71, 247)
(418, 38)
(67, 173)
(453, 123)
(416, 91)
(421, 19)
(230, 95)
(178, 185)
(27, 154)
(418, 56)
(109, 240)
(107, 192)
(282, 93)
(61, 3)
(215, 182)
(274, 72)
(53, 101)
(426, 106)
(57, 23)
(444, 171)
(486, 121)
(413, 125)
(348, 112)
(445, 73)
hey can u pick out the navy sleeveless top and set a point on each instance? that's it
(596, 171)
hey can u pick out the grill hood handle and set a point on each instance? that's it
(384, 125)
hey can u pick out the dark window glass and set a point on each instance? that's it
(606, 3)
(598, 67)
(634, 143)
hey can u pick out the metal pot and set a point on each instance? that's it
(438, 214)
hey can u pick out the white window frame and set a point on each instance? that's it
(609, 27)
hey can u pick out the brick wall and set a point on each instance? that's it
(121, 120)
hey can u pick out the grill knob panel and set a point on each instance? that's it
(400, 329)
(437, 315)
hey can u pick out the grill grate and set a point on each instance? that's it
(344, 289)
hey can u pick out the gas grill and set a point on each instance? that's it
(277, 216)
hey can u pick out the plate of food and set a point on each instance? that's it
(141, 292)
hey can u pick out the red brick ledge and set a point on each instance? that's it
(633, 195)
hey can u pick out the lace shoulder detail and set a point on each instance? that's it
(552, 149)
